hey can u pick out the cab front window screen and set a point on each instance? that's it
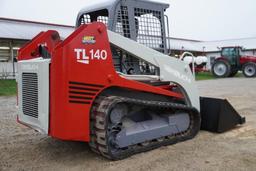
(100, 16)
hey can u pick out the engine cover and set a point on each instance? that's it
(33, 93)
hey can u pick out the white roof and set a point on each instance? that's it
(211, 46)
(183, 44)
(26, 30)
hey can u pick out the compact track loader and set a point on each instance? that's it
(122, 97)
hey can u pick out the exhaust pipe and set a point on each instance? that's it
(218, 115)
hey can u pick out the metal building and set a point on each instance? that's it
(15, 33)
(211, 49)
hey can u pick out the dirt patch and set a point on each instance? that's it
(24, 149)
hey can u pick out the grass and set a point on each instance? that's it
(209, 76)
(7, 87)
(204, 76)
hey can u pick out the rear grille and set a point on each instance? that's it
(30, 94)
(82, 93)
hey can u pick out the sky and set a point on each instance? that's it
(191, 19)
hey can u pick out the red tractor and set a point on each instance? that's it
(231, 61)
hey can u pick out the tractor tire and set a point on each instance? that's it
(221, 69)
(233, 72)
(249, 69)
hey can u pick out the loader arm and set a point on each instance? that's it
(171, 69)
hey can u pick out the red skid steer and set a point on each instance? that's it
(74, 90)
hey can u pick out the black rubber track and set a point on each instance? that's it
(102, 129)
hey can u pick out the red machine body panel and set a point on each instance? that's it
(48, 39)
(81, 68)
(242, 60)
(245, 59)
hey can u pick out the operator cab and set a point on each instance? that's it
(140, 20)
(232, 54)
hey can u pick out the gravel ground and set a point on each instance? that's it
(24, 149)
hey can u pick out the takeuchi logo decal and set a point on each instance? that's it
(89, 40)
(177, 74)
(30, 67)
